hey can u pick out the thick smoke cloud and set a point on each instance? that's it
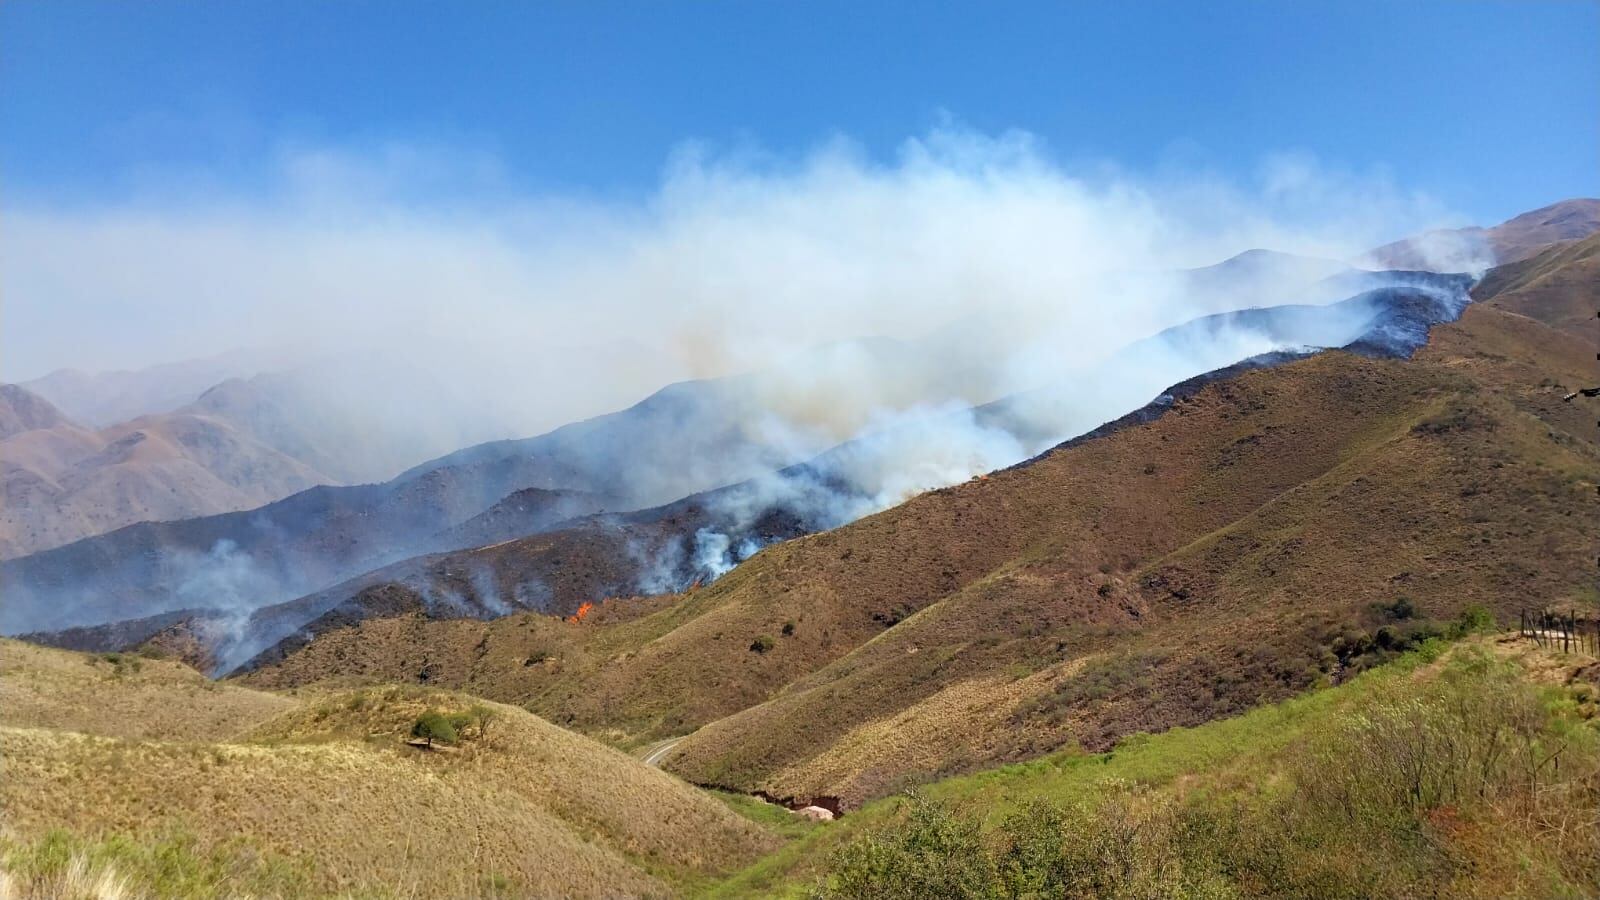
(437, 305)
(900, 325)
(922, 448)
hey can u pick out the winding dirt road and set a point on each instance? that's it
(655, 753)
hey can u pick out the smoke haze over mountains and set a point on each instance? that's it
(491, 314)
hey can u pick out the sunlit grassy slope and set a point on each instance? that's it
(1498, 837)
(202, 790)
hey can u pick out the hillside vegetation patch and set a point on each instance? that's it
(1468, 772)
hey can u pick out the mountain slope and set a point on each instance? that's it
(1238, 614)
(322, 794)
(684, 438)
(1164, 573)
(102, 399)
(1250, 806)
(697, 538)
(22, 410)
(1511, 241)
(64, 482)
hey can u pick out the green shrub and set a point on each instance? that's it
(476, 720)
(1475, 619)
(932, 852)
(762, 644)
(1399, 610)
(122, 663)
(433, 726)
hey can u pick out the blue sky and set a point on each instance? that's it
(1491, 108)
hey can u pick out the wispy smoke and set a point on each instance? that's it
(224, 581)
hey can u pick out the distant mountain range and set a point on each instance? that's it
(501, 560)
(179, 495)
(63, 481)
(100, 399)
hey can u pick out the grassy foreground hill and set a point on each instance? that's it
(1273, 531)
(145, 775)
(1470, 770)
(1457, 770)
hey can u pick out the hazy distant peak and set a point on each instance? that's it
(23, 410)
(106, 398)
(1515, 239)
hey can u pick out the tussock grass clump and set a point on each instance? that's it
(62, 865)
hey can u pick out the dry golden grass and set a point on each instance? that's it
(1242, 784)
(330, 786)
(913, 744)
(79, 880)
(123, 695)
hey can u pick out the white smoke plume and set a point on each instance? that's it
(872, 303)
(470, 311)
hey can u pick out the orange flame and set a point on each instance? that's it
(583, 610)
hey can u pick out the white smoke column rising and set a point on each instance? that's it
(224, 581)
(711, 553)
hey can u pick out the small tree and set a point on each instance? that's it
(431, 726)
(482, 717)
(762, 644)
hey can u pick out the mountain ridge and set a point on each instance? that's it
(892, 638)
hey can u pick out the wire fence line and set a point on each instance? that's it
(1564, 631)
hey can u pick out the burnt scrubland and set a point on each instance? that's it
(1249, 543)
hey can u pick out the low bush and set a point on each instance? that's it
(434, 726)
